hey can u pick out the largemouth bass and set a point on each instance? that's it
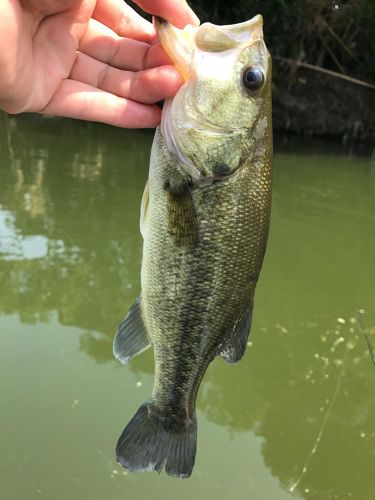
(204, 219)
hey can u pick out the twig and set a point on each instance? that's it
(339, 40)
(325, 71)
(331, 53)
(367, 338)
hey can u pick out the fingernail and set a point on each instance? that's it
(194, 18)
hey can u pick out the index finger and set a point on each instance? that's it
(176, 12)
(123, 20)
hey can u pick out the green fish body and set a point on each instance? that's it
(204, 218)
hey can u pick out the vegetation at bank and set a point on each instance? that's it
(338, 35)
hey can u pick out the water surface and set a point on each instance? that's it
(295, 419)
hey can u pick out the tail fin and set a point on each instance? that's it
(147, 444)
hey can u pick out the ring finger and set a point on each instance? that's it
(100, 42)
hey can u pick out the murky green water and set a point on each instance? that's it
(295, 419)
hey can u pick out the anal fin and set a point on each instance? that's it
(131, 337)
(235, 347)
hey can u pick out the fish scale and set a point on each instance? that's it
(197, 313)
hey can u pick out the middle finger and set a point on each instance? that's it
(100, 42)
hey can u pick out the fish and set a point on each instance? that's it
(205, 216)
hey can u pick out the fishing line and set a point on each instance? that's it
(335, 393)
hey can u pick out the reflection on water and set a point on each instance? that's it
(70, 244)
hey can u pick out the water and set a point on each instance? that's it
(295, 419)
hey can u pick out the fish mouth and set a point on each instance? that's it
(180, 44)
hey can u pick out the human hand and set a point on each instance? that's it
(89, 59)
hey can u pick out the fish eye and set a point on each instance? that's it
(253, 78)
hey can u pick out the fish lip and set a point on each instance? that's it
(217, 38)
(258, 19)
(179, 44)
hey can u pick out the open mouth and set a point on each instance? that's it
(180, 45)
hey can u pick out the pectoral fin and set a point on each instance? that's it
(233, 350)
(181, 214)
(131, 336)
(144, 209)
